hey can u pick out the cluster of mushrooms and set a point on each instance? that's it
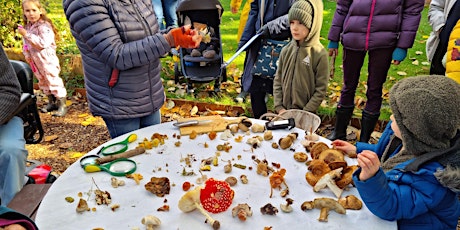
(328, 169)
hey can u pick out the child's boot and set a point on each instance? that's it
(368, 123)
(62, 110)
(51, 106)
(342, 118)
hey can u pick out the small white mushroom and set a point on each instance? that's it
(287, 207)
(328, 180)
(226, 134)
(150, 222)
(243, 211)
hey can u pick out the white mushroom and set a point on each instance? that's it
(226, 134)
(191, 201)
(328, 180)
(324, 204)
(150, 222)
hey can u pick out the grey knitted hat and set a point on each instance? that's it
(427, 112)
(302, 10)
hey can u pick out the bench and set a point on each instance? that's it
(29, 198)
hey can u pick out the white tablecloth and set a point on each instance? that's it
(164, 161)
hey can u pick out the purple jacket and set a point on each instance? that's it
(366, 25)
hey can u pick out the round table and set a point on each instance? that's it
(135, 202)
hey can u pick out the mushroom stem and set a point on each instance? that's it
(214, 223)
(323, 214)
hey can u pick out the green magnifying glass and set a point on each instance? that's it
(118, 147)
(118, 167)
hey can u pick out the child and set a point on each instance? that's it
(40, 52)
(417, 179)
(302, 75)
(383, 30)
(453, 54)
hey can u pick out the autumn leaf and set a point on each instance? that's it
(66, 145)
(50, 138)
(415, 62)
(401, 73)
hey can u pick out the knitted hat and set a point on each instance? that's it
(302, 11)
(427, 112)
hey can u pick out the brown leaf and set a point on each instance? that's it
(66, 145)
(50, 138)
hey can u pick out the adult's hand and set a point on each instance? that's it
(184, 37)
(369, 163)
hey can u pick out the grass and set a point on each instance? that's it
(415, 63)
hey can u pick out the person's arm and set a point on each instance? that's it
(410, 20)
(10, 91)
(436, 17)
(321, 71)
(338, 20)
(92, 26)
(250, 28)
(44, 39)
(278, 84)
(402, 200)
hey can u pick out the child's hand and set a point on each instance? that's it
(369, 163)
(344, 146)
(22, 31)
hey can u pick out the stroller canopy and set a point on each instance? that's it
(190, 5)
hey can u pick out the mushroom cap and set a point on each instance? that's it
(216, 196)
(318, 167)
(317, 148)
(189, 200)
(351, 202)
(346, 177)
(337, 164)
(330, 204)
(331, 155)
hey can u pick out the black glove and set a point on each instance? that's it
(264, 31)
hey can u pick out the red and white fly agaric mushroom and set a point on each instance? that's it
(216, 196)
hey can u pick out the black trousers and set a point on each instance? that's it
(259, 88)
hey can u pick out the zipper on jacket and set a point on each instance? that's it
(366, 46)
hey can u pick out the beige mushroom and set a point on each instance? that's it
(243, 211)
(150, 222)
(287, 141)
(351, 202)
(328, 180)
(191, 201)
(324, 204)
(287, 207)
(331, 155)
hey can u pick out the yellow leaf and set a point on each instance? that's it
(83, 115)
(85, 123)
(51, 138)
(425, 36)
(415, 62)
(76, 155)
(401, 73)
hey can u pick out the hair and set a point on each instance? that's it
(43, 15)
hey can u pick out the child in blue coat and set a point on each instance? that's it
(412, 175)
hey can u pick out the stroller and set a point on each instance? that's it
(197, 68)
(27, 109)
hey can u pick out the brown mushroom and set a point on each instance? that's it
(324, 204)
(317, 168)
(317, 148)
(351, 202)
(287, 141)
(243, 211)
(347, 176)
(328, 180)
(331, 155)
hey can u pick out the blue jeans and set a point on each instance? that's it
(13, 156)
(118, 127)
(158, 8)
(169, 11)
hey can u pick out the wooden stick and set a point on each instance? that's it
(127, 154)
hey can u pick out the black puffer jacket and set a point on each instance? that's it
(121, 35)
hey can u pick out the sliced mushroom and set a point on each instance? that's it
(328, 180)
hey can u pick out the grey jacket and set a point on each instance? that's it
(10, 90)
(437, 17)
(119, 35)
